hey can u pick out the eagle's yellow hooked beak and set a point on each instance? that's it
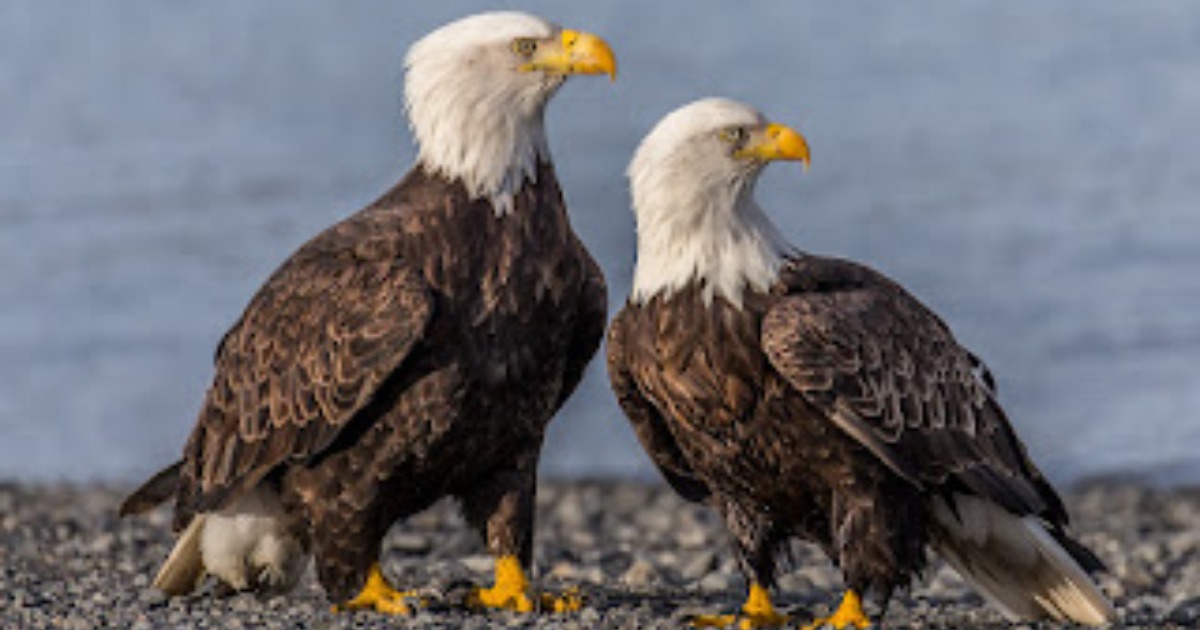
(575, 52)
(776, 142)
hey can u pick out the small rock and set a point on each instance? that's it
(244, 602)
(693, 537)
(589, 618)
(102, 544)
(668, 559)
(409, 543)
(655, 521)
(582, 539)
(478, 563)
(640, 573)
(75, 622)
(571, 512)
(563, 571)
(626, 532)
(794, 583)
(716, 581)
(699, 566)
(152, 597)
(821, 578)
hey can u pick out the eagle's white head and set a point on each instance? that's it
(476, 91)
(693, 181)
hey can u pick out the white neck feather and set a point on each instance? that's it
(723, 240)
(475, 118)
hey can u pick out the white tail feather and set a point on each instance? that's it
(1016, 564)
(184, 568)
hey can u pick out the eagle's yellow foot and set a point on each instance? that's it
(510, 592)
(848, 614)
(757, 612)
(379, 596)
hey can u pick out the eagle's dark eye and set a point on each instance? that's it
(734, 135)
(524, 46)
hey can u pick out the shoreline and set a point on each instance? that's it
(641, 557)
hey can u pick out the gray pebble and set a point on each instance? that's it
(640, 573)
(698, 566)
(408, 543)
(692, 537)
(717, 581)
(478, 563)
(822, 578)
(655, 521)
(571, 512)
(102, 543)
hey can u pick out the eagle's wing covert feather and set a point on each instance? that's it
(886, 370)
(314, 345)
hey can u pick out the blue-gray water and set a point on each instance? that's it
(1029, 169)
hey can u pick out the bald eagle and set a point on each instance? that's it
(814, 398)
(415, 350)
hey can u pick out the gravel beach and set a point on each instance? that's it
(641, 557)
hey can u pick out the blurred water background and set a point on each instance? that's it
(1029, 169)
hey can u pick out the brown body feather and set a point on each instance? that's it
(835, 408)
(415, 350)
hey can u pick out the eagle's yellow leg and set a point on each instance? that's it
(511, 592)
(379, 596)
(757, 612)
(848, 614)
